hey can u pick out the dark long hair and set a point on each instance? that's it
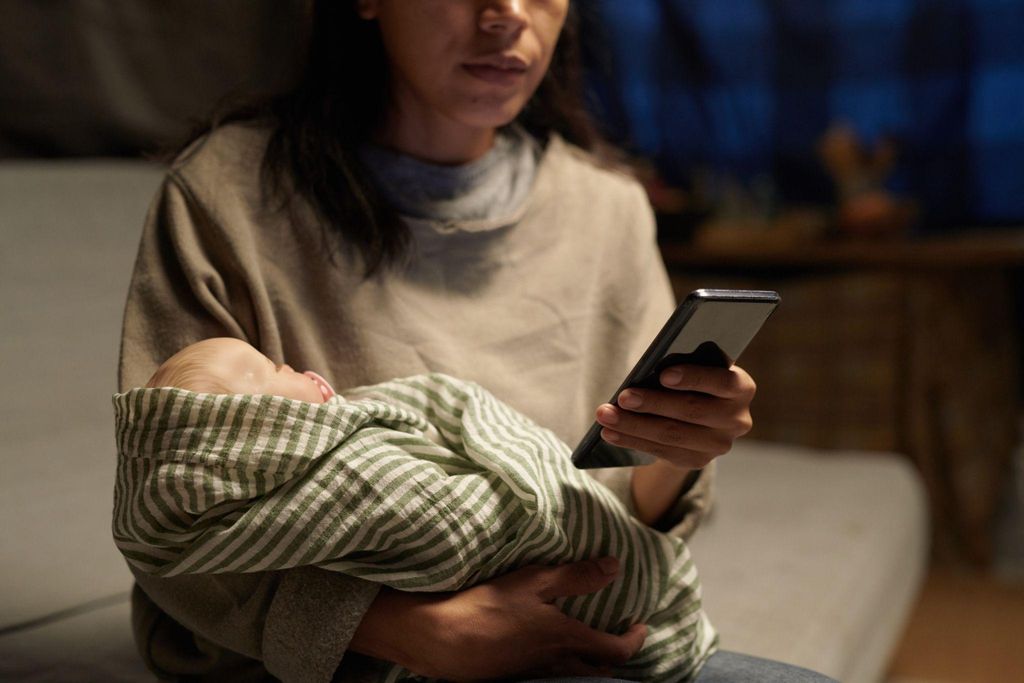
(318, 126)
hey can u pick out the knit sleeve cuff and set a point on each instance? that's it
(311, 621)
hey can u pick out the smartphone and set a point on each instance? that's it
(711, 327)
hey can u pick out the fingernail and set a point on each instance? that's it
(608, 565)
(610, 436)
(672, 377)
(630, 399)
(607, 415)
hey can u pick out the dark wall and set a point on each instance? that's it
(117, 77)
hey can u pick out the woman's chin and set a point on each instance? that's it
(492, 111)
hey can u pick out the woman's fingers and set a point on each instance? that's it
(686, 406)
(597, 648)
(680, 419)
(575, 578)
(729, 383)
(677, 455)
(559, 644)
(696, 407)
(507, 627)
(696, 419)
(706, 410)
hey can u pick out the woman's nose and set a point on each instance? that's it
(504, 16)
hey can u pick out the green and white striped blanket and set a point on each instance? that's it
(422, 484)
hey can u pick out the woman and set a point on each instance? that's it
(384, 219)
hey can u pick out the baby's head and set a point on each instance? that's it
(223, 365)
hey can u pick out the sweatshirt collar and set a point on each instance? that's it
(491, 192)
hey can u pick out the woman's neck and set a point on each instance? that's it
(433, 137)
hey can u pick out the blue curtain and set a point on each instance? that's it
(747, 87)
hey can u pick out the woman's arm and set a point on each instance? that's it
(693, 420)
(187, 286)
(671, 494)
(656, 488)
(506, 627)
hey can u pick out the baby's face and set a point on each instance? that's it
(242, 369)
(257, 374)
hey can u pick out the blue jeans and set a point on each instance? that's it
(731, 667)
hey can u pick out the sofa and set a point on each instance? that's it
(809, 557)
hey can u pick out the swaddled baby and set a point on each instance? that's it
(228, 462)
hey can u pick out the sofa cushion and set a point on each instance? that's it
(813, 557)
(70, 232)
(809, 557)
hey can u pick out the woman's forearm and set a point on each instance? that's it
(507, 627)
(384, 631)
(656, 488)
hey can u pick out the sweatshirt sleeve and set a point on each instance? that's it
(191, 282)
(653, 302)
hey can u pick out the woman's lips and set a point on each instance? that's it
(326, 390)
(496, 75)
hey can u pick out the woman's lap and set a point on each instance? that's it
(733, 667)
(730, 667)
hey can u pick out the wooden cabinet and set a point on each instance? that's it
(910, 347)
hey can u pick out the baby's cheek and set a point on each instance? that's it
(316, 393)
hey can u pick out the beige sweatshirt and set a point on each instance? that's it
(548, 313)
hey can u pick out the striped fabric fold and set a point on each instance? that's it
(423, 484)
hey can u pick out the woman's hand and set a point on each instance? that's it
(506, 627)
(690, 422)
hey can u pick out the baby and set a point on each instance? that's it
(224, 365)
(228, 462)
